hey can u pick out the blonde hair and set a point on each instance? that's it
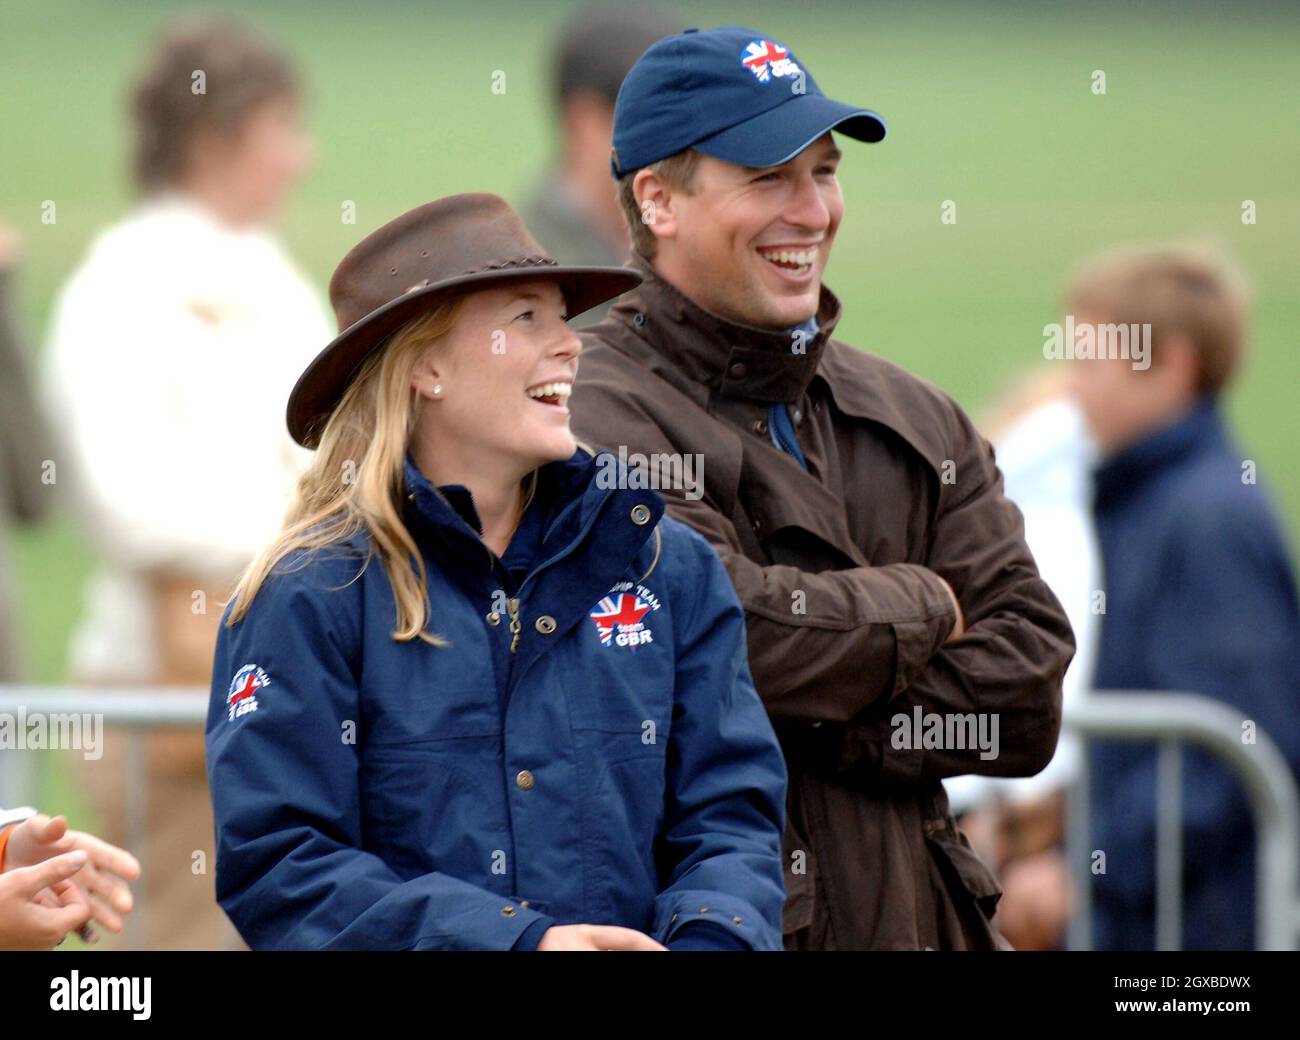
(356, 479)
(1186, 290)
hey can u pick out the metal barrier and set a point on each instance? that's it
(1168, 719)
(1171, 720)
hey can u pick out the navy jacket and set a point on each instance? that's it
(1200, 598)
(588, 748)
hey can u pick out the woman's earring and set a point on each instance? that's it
(437, 389)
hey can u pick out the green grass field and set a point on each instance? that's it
(989, 106)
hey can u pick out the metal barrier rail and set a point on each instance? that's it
(1171, 720)
(1168, 719)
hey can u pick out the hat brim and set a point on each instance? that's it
(779, 134)
(320, 388)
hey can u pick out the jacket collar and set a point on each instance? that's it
(1199, 432)
(592, 551)
(736, 360)
(562, 483)
(575, 491)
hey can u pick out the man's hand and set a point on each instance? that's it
(102, 880)
(39, 906)
(958, 629)
(594, 937)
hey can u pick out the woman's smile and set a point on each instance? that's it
(553, 394)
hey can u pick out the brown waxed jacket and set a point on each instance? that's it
(838, 569)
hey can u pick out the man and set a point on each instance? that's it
(1200, 592)
(858, 512)
(573, 210)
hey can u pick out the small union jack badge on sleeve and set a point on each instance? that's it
(244, 687)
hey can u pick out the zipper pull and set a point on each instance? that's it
(512, 607)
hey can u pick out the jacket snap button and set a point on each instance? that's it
(493, 618)
(735, 920)
(524, 780)
(545, 624)
(507, 911)
(738, 370)
(760, 426)
(640, 515)
(524, 903)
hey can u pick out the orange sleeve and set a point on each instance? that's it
(4, 840)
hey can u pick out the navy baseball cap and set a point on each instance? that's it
(731, 93)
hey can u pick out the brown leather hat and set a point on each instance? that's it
(455, 245)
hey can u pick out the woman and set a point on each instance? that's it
(478, 695)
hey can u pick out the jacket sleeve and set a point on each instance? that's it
(291, 869)
(1223, 624)
(866, 632)
(719, 848)
(1007, 668)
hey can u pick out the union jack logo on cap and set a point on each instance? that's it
(766, 59)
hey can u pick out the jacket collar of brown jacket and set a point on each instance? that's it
(705, 360)
(736, 360)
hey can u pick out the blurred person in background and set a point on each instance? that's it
(172, 350)
(24, 445)
(1200, 594)
(573, 209)
(1046, 454)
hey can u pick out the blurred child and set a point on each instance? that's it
(1200, 590)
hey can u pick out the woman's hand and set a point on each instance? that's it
(595, 937)
(101, 881)
(39, 906)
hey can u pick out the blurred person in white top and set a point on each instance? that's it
(1045, 453)
(173, 350)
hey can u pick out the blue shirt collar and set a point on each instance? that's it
(1198, 431)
